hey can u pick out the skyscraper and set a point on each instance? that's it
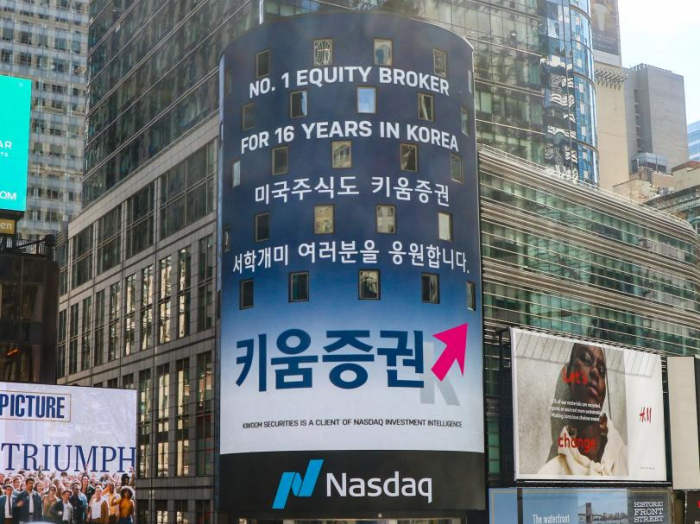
(46, 41)
(656, 126)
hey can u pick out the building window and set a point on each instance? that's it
(262, 64)
(299, 287)
(471, 296)
(430, 288)
(109, 241)
(409, 157)
(247, 116)
(440, 62)
(187, 190)
(182, 417)
(262, 227)
(181, 513)
(130, 314)
(369, 284)
(236, 173)
(115, 308)
(205, 292)
(367, 100)
(162, 421)
(341, 151)
(164, 293)
(82, 257)
(386, 219)
(280, 160)
(99, 336)
(183, 292)
(87, 330)
(456, 172)
(383, 52)
(73, 341)
(426, 106)
(445, 226)
(466, 127)
(323, 52)
(228, 81)
(61, 357)
(324, 220)
(246, 294)
(144, 421)
(139, 222)
(147, 307)
(205, 414)
(298, 103)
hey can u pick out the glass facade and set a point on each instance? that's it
(46, 41)
(575, 261)
(155, 78)
(694, 141)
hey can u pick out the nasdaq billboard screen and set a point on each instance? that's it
(15, 107)
(351, 330)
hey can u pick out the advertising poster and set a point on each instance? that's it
(66, 438)
(590, 506)
(683, 380)
(15, 107)
(351, 330)
(586, 411)
(692, 507)
(605, 20)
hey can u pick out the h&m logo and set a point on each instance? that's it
(292, 482)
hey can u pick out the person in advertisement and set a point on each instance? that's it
(62, 511)
(7, 506)
(587, 445)
(126, 505)
(29, 503)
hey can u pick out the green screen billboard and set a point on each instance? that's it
(15, 108)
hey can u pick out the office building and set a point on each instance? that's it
(46, 41)
(656, 125)
(694, 140)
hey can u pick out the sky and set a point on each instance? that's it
(666, 34)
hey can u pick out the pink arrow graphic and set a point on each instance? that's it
(455, 340)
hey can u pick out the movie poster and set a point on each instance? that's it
(586, 411)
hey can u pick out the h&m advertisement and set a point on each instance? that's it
(581, 506)
(351, 330)
(15, 108)
(72, 442)
(586, 411)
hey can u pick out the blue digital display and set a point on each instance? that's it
(350, 276)
(15, 107)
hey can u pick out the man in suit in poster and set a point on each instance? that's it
(7, 506)
(29, 503)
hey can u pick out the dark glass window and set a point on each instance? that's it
(247, 116)
(456, 172)
(386, 219)
(262, 64)
(471, 296)
(465, 121)
(298, 102)
(262, 227)
(323, 52)
(409, 157)
(430, 288)
(246, 294)
(280, 160)
(299, 287)
(369, 284)
(236, 174)
(440, 62)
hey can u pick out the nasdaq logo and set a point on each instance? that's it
(292, 482)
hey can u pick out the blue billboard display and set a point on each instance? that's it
(351, 325)
(15, 106)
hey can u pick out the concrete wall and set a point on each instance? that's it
(612, 129)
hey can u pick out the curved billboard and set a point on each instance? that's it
(351, 329)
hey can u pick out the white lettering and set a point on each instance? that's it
(393, 486)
